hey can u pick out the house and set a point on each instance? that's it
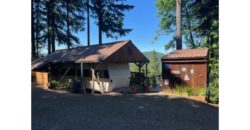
(187, 67)
(100, 67)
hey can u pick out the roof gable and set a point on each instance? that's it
(109, 52)
(127, 53)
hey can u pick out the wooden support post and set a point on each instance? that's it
(93, 80)
(49, 75)
(139, 78)
(82, 82)
(146, 75)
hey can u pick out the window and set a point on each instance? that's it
(102, 73)
(86, 73)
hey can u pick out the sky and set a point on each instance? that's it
(143, 21)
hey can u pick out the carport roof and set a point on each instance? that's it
(120, 51)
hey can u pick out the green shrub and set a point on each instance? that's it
(56, 83)
(214, 91)
(179, 89)
(202, 92)
(189, 91)
(199, 91)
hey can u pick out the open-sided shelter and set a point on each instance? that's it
(187, 67)
(100, 67)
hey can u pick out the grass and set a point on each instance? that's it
(186, 91)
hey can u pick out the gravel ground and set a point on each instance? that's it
(65, 111)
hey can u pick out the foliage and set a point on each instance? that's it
(180, 89)
(58, 21)
(214, 91)
(56, 83)
(199, 29)
(133, 67)
(109, 16)
(51, 24)
(154, 67)
(149, 54)
(189, 91)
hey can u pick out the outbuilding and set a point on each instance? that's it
(99, 67)
(187, 67)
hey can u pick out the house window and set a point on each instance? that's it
(106, 74)
(102, 73)
(86, 73)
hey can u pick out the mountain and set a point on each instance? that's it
(159, 55)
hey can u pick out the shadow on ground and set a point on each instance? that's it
(53, 110)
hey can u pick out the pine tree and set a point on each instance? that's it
(109, 17)
(134, 67)
(51, 25)
(73, 15)
(178, 25)
(199, 28)
(153, 67)
(33, 45)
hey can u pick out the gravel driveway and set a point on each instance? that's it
(64, 111)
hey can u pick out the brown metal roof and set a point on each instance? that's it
(198, 53)
(120, 51)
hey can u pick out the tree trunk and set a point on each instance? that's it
(68, 31)
(189, 28)
(178, 25)
(33, 45)
(37, 29)
(53, 26)
(48, 26)
(100, 21)
(88, 29)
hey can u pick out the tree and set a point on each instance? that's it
(178, 25)
(167, 12)
(53, 23)
(38, 26)
(199, 28)
(109, 17)
(74, 18)
(88, 26)
(33, 45)
(154, 67)
(134, 67)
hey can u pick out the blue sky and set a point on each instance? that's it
(144, 22)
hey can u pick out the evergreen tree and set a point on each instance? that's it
(53, 22)
(153, 66)
(109, 17)
(33, 45)
(73, 15)
(134, 67)
(199, 28)
(38, 27)
(178, 25)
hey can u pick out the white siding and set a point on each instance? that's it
(104, 85)
(119, 74)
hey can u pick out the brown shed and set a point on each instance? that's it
(187, 67)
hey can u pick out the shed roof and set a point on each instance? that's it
(120, 51)
(186, 54)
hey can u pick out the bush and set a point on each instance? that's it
(214, 91)
(179, 89)
(56, 83)
(199, 91)
(189, 91)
